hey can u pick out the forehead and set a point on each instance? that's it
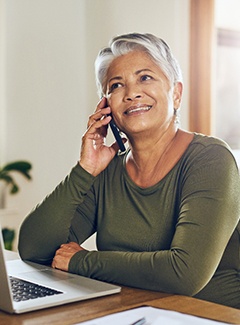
(132, 62)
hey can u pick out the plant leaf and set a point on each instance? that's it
(20, 165)
(14, 188)
(23, 167)
(8, 179)
(8, 237)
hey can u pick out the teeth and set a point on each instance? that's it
(137, 109)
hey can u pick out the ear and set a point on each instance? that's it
(177, 94)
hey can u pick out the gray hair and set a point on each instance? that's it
(155, 47)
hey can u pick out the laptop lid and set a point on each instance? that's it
(72, 287)
(6, 302)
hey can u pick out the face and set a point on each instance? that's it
(140, 95)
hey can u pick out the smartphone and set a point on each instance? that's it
(117, 136)
(116, 133)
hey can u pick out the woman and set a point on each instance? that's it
(167, 211)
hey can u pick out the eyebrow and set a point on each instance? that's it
(136, 73)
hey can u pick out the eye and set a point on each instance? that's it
(115, 86)
(146, 77)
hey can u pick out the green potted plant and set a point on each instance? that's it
(22, 167)
(8, 238)
(7, 180)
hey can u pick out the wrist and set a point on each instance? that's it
(76, 264)
(88, 168)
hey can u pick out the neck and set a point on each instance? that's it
(147, 149)
(149, 162)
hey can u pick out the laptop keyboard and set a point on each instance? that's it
(24, 290)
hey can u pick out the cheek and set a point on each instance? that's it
(166, 97)
(115, 103)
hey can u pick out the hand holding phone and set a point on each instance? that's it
(117, 136)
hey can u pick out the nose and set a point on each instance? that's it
(132, 92)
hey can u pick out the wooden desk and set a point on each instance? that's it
(199, 308)
(128, 298)
(84, 310)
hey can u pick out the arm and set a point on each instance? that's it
(208, 214)
(47, 226)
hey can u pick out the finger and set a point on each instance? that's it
(68, 245)
(98, 115)
(53, 265)
(60, 265)
(102, 103)
(97, 129)
(101, 110)
(69, 248)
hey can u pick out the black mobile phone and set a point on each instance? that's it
(116, 133)
(117, 136)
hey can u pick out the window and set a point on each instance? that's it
(215, 69)
(227, 101)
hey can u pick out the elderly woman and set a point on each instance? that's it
(166, 212)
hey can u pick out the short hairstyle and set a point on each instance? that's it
(155, 47)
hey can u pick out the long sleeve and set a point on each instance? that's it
(47, 226)
(180, 235)
(199, 207)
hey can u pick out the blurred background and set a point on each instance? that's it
(47, 82)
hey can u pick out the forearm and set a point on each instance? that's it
(159, 271)
(208, 215)
(186, 268)
(47, 226)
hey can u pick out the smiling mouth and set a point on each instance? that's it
(132, 110)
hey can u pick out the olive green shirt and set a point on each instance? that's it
(179, 236)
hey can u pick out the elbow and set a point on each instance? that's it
(29, 251)
(189, 283)
(23, 248)
(187, 277)
(181, 286)
(187, 289)
(26, 250)
(28, 255)
(183, 279)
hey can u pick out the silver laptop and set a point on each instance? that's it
(26, 286)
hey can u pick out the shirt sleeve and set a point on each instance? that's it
(208, 213)
(47, 226)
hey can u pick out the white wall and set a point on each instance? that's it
(2, 81)
(227, 14)
(48, 48)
